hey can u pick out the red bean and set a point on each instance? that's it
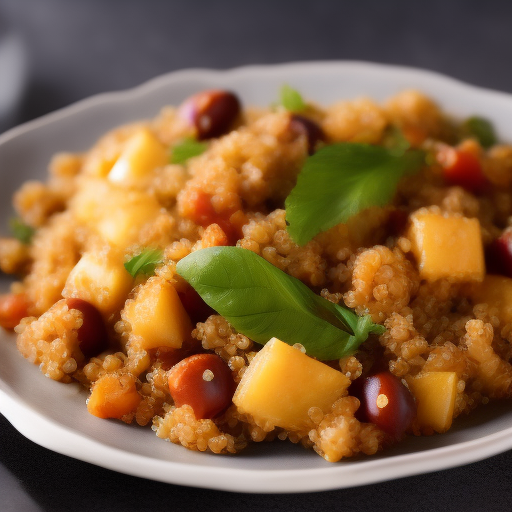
(211, 112)
(13, 307)
(300, 125)
(204, 382)
(397, 222)
(195, 306)
(386, 402)
(92, 335)
(498, 255)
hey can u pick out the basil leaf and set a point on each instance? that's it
(395, 141)
(291, 99)
(145, 262)
(21, 231)
(341, 180)
(261, 301)
(481, 129)
(186, 149)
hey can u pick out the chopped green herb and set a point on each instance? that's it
(145, 262)
(291, 99)
(481, 129)
(23, 232)
(261, 302)
(341, 180)
(186, 149)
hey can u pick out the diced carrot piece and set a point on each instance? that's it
(13, 307)
(113, 396)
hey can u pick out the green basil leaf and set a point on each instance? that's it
(395, 141)
(291, 99)
(341, 180)
(186, 149)
(21, 231)
(261, 302)
(145, 262)
(481, 129)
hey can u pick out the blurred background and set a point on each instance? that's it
(56, 52)
(76, 48)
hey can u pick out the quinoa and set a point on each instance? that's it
(88, 223)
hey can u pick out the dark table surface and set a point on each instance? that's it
(79, 48)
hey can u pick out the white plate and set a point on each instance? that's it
(13, 70)
(54, 414)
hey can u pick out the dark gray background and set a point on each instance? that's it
(79, 48)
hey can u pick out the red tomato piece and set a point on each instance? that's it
(462, 168)
(204, 214)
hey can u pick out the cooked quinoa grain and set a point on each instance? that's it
(433, 266)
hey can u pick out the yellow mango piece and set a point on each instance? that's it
(496, 291)
(116, 214)
(157, 315)
(141, 155)
(124, 217)
(113, 396)
(282, 383)
(435, 394)
(447, 247)
(85, 205)
(100, 279)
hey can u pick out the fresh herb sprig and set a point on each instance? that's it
(291, 99)
(145, 262)
(186, 149)
(481, 129)
(341, 180)
(261, 301)
(21, 231)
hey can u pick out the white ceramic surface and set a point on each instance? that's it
(54, 414)
(13, 73)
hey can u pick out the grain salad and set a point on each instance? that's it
(337, 276)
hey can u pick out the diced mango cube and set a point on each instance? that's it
(100, 279)
(123, 219)
(113, 396)
(85, 205)
(435, 394)
(116, 214)
(157, 316)
(447, 246)
(282, 383)
(496, 291)
(142, 154)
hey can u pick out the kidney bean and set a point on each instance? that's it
(211, 112)
(498, 255)
(195, 306)
(300, 125)
(169, 356)
(92, 335)
(204, 382)
(397, 222)
(386, 402)
(13, 307)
